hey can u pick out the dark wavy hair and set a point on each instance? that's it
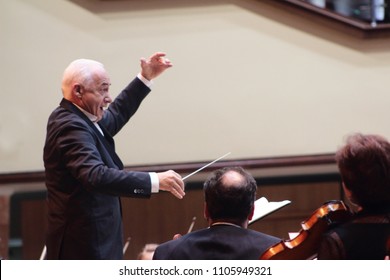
(364, 165)
(231, 201)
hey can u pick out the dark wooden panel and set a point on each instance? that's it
(157, 219)
(33, 227)
(4, 226)
(305, 199)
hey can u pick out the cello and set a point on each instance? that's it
(305, 245)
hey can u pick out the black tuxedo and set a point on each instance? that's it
(85, 177)
(219, 242)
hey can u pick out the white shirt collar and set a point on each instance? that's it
(224, 223)
(91, 117)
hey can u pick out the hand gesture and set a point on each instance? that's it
(154, 65)
(171, 181)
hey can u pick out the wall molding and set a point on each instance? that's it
(255, 164)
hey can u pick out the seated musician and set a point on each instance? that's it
(230, 194)
(364, 164)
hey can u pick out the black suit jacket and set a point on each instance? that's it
(85, 177)
(219, 242)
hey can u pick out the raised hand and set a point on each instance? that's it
(154, 65)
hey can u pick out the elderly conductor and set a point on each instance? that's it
(84, 176)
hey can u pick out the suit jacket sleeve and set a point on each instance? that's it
(124, 106)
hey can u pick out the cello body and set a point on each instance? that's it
(305, 245)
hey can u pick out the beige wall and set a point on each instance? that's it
(248, 78)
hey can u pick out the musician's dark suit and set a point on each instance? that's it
(84, 179)
(365, 237)
(217, 243)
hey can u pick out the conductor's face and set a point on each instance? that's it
(96, 95)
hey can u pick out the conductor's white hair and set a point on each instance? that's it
(80, 71)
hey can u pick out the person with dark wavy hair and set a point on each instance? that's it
(230, 194)
(364, 165)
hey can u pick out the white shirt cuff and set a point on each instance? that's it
(145, 81)
(155, 182)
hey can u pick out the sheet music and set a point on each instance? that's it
(263, 207)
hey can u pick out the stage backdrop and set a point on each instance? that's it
(248, 78)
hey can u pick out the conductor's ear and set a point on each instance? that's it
(77, 89)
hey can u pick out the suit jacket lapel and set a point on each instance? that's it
(107, 139)
(110, 142)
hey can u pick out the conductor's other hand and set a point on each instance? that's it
(172, 182)
(154, 65)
